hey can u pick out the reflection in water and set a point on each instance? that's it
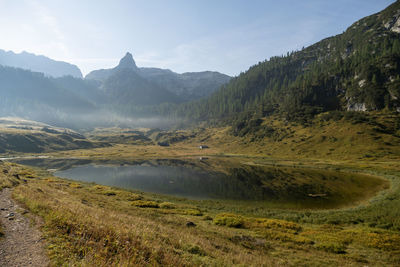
(172, 180)
(219, 180)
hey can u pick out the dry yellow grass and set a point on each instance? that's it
(325, 141)
(87, 225)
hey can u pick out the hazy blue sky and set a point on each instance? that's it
(183, 35)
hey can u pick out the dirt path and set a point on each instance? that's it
(21, 244)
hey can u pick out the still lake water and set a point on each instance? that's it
(220, 179)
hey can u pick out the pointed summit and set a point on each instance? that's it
(127, 62)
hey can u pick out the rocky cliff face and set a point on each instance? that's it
(127, 62)
(393, 24)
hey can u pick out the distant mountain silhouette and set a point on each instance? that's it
(103, 97)
(126, 86)
(186, 86)
(127, 62)
(37, 63)
(33, 95)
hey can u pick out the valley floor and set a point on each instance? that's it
(87, 224)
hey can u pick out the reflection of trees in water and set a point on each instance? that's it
(194, 178)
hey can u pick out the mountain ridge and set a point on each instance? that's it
(356, 70)
(186, 86)
(39, 63)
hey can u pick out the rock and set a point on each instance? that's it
(190, 224)
(11, 214)
(356, 107)
(127, 62)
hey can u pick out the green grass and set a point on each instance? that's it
(85, 225)
(228, 219)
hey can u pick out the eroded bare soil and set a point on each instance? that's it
(22, 243)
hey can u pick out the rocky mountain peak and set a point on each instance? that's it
(127, 62)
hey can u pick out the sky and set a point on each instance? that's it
(227, 36)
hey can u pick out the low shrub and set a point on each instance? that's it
(167, 205)
(332, 247)
(145, 204)
(193, 212)
(276, 224)
(133, 197)
(109, 193)
(230, 220)
(75, 185)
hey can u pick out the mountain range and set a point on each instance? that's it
(358, 70)
(49, 67)
(126, 89)
(187, 86)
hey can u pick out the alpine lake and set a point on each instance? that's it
(224, 179)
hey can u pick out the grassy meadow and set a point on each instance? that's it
(87, 224)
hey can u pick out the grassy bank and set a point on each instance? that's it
(87, 224)
(371, 138)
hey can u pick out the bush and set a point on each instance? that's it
(145, 204)
(109, 193)
(196, 250)
(192, 212)
(277, 224)
(133, 197)
(228, 219)
(332, 247)
(167, 205)
(335, 115)
(75, 185)
(356, 117)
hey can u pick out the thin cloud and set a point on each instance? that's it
(45, 21)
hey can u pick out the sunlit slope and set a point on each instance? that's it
(23, 136)
(366, 137)
(355, 70)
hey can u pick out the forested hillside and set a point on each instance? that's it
(356, 70)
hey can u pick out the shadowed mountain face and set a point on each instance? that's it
(127, 62)
(120, 95)
(186, 86)
(34, 96)
(17, 85)
(36, 63)
(127, 87)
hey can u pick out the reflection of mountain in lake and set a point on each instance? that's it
(220, 180)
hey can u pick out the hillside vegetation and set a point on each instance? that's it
(19, 136)
(356, 70)
(87, 224)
